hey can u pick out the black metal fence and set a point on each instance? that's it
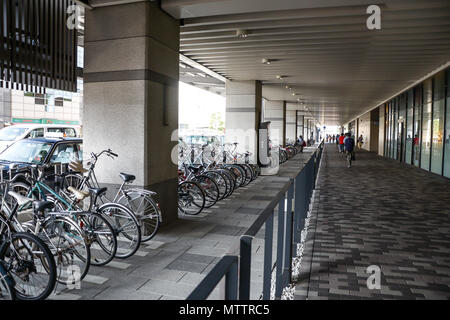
(293, 202)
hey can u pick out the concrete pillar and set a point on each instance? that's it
(275, 112)
(131, 96)
(290, 123)
(300, 125)
(243, 115)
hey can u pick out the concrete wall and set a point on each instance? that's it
(131, 95)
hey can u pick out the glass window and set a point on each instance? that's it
(401, 126)
(64, 153)
(36, 133)
(426, 125)
(11, 133)
(409, 126)
(395, 129)
(438, 122)
(39, 99)
(66, 132)
(27, 151)
(447, 131)
(417, 124)
(388, 130)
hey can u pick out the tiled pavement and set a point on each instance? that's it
(180, 256)
(382, 213)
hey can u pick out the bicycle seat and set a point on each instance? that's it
(21, 200)
(98, 191)
(80, 195)
(41, 206)
(127, 177)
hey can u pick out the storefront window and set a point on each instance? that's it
(426, 125)
(438, 123)
(409, 126)
(388, 131)
(395, 129)
(417, 124)
(447, 131)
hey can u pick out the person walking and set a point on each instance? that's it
(341, 143)
(301, 143)
(349, 144)
(360, 142)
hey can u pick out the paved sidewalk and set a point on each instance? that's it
(180, 256)
(382, 213)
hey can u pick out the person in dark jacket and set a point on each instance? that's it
(349, 145)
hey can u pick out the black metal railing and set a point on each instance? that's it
(293, 201)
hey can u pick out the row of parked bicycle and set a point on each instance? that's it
(54, 226)
(290, 150)
(211, 172)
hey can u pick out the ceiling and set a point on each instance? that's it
(330, 61)
(323, 49)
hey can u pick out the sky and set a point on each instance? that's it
(197, 105)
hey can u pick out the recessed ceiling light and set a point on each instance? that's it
(266, 61)
(280, 77)
(287, 87)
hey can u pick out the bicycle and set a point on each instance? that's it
(27, 267)
(142, 208)
(98, 233)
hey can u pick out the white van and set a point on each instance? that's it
(17, 132)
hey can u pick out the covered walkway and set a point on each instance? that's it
(377, 213)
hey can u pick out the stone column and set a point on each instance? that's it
(131, 96)
(243, 115)
(274, 112)
(290, 123)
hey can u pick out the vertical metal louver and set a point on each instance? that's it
(37, 49)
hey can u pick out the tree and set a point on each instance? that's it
(216, 122)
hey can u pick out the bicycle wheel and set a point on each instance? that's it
(146, 211)
(100, 236)
(67, 243)
(248, 174)
(127, 228)
(191, 198)
(221, 182)
(7, 291)
(31, 265)
(211, 189)
(238, 173)
(231, 180)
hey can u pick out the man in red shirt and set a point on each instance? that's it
(341, 143)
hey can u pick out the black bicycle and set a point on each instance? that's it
(27, 266)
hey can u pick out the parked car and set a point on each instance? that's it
(17, 132)
(41, 151)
